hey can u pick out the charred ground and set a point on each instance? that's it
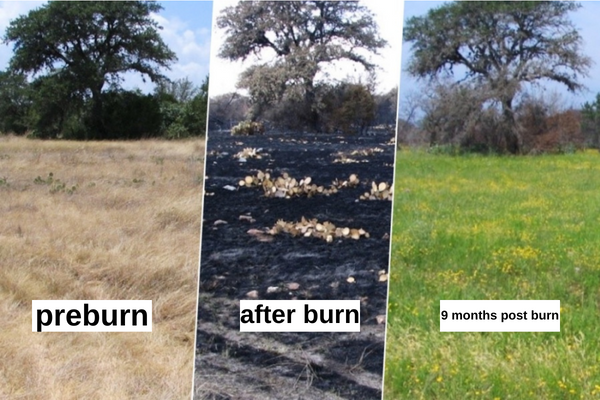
(230, 364)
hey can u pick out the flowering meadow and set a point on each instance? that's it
(494, 228)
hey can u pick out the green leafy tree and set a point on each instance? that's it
(57, 108)
(193, 116)
(187, 116)
(180, 90)
(121, 105)
(15, 102)
(348, 107)
(500, 45)
(303, 36)
(591, 122)
(89, 44)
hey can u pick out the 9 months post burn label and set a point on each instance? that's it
(499, 315)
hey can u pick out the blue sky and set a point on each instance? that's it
(586, 19)
(186, 30)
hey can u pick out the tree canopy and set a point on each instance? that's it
(500, 45)
(85, 45)
(15, 101)
(301, 36)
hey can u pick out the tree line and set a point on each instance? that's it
(346, 108)
(64, 78)
(66, 82)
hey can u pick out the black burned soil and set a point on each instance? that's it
(234, 263)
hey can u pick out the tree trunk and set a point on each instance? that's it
(512, 138)
(433, 137)
(312, 116)
(97, 120)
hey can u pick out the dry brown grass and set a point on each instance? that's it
(130, 230)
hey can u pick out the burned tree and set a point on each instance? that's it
(303, 36)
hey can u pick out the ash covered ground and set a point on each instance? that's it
(234, 263)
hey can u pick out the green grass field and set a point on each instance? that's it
(494, 228)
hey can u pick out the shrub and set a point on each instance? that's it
(545, 127)
(130, 115)
(563, 134)
(453, 113)
(193, 116)
(590, 122)
(182, 119)
(15, 102)
(348, 107)
(467, 116)
(55, 104)
(227, 109)
(248, 128)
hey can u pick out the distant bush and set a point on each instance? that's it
(227, 109)
(386, 107)
(456, 115)
(183, 109)
(467, 117)
(193, 116)
(15, 101)
(546, 127)
(55, 107)
(129, 115)
(563, 134)
(590, 123)
(349, 108)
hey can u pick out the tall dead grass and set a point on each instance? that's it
(116, 221)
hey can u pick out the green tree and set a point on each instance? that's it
(303, 36)
(57, 108)
(387, 106)
(591, 122)
(348, 107)
(501, 45)
(180, 90)
(118, 108)
(89, 44)
(182, 115)
(195, 111)
(15, 102)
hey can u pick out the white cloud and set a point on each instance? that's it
(192, 47)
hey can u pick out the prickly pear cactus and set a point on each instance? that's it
(248, 128)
